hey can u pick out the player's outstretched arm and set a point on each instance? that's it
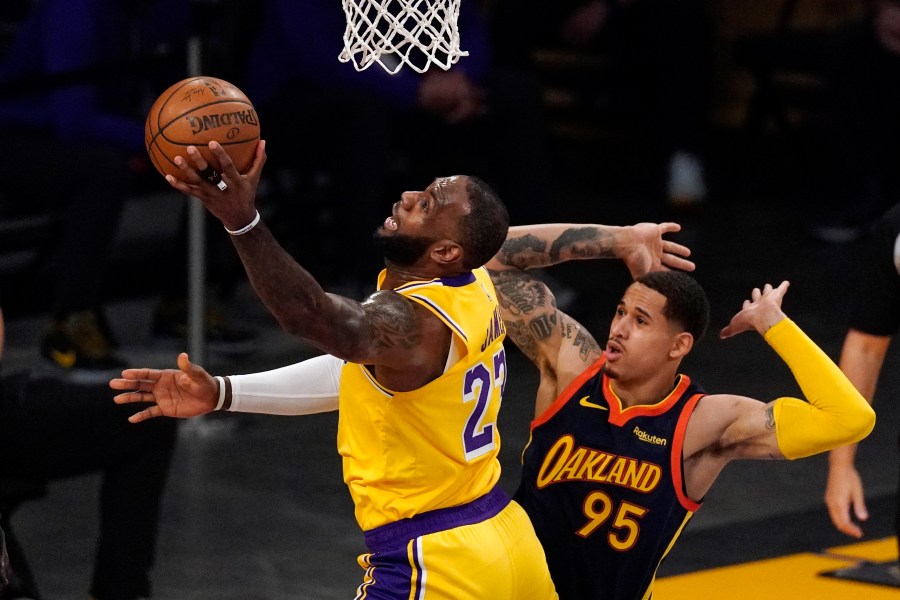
(185, 392)
(303, 388)
(379, 331)
(834, 414)
(641, 247)
(559, 346)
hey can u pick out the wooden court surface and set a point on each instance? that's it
(798, 576)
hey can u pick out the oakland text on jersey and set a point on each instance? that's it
(564, 462)
(495, 329)
(227, 119)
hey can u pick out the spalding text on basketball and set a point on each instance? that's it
(228, 119)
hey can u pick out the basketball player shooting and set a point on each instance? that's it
(422, 385)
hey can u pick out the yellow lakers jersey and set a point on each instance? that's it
(405, 453)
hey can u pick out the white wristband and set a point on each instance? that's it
(221, 384)
(245, 228)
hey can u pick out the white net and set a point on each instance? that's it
(417, 33)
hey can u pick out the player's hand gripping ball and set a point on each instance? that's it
(198, 110)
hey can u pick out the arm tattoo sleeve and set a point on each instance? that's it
(589, 348)
(582, 242)
(523, 252)
(528, 308)
(392, 324)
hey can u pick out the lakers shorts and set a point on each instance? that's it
(486, 549)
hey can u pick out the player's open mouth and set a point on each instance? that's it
(613, 350)
(390, 224)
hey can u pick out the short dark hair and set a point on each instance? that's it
(483, 229)
(686, 302)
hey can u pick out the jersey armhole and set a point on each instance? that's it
(677, 458)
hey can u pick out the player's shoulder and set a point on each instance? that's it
(393, 307)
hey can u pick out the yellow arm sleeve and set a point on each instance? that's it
(835, 414)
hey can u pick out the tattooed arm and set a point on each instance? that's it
(405, 342)
(641, 247)
(560, 346)
(556, 343)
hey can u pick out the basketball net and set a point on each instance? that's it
(392, 33)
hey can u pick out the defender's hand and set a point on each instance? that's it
(647, 251)
(760, 312)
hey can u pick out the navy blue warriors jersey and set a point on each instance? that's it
(603, 486)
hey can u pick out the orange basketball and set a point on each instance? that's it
(196, 111)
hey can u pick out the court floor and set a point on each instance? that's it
(863, 571)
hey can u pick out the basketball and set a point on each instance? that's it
(196, 111)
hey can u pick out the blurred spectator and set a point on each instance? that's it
(73, 127)
(660, 69)
(350, 136)
(864, 125)
(50, 430)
